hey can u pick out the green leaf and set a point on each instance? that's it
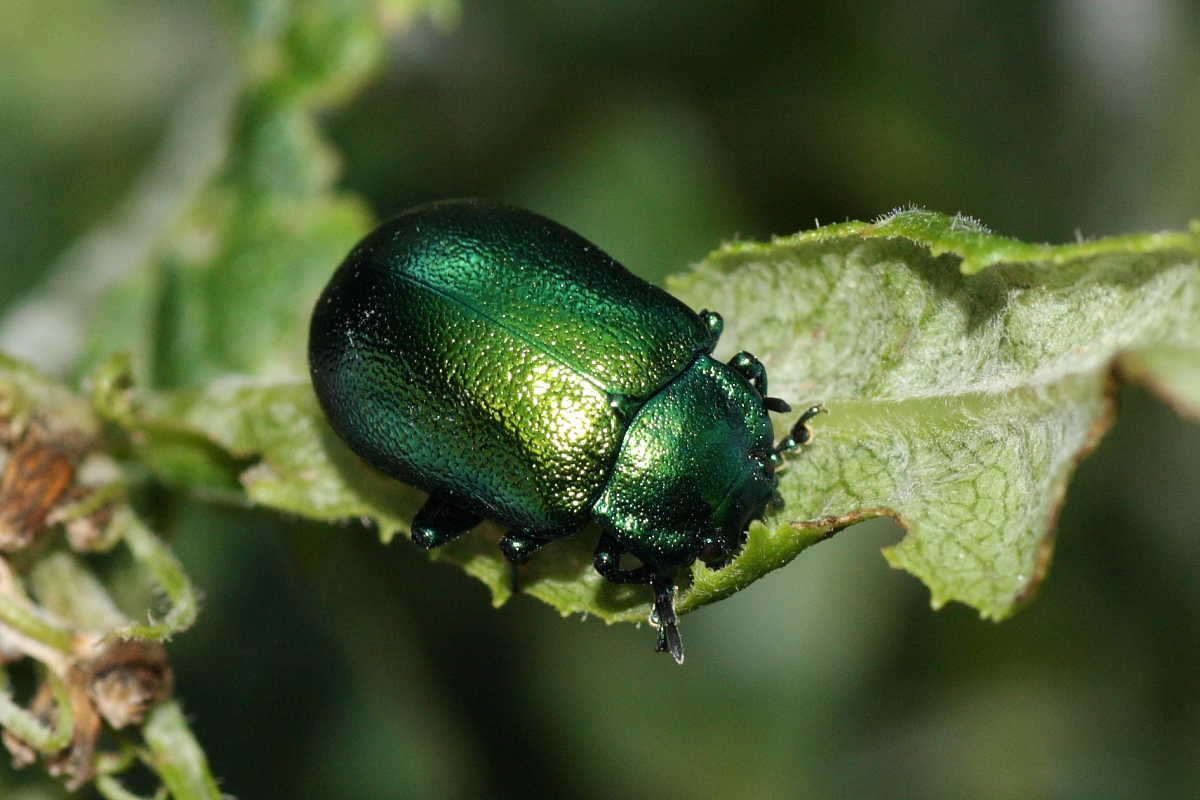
(965, 373)
(30, 399)
(959, 403)
(291, 460)
(1172, 371)
(176, 756)
(230, 285)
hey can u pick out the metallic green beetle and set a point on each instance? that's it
(517, 373)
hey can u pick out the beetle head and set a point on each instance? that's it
(752, 486)
(696, 467)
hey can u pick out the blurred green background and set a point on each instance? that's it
(327, 665)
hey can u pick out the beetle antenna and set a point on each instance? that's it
(800, 433)
(669, 639)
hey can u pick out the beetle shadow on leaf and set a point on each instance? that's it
(981, 297)
(1123, 270)
(984, 295)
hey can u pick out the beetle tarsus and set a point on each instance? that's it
(669, 640)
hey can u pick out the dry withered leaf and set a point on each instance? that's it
(126, 679)
(38, 476)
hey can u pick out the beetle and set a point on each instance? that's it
(516, 372)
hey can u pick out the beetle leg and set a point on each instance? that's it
(440, 520)
(608, 560)
(517, 547)
(664, 613)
